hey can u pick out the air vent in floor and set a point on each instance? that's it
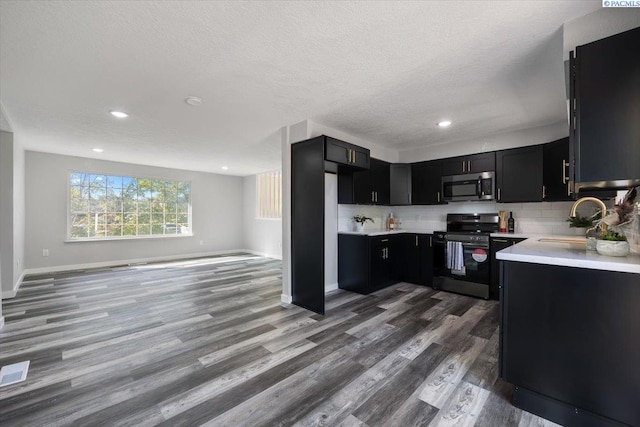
(11, 374)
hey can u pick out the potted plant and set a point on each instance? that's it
(580, 224)
(359, 221)
(612, 244)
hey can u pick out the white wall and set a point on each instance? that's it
(263, 236)
(217, 216)
(19, 206)
(6, 212)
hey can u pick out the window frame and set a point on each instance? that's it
(69, 239)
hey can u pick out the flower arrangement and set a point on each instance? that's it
(622, 212)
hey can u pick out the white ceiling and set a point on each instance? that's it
(383, 71)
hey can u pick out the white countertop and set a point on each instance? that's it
(567, 254)
(384, 233)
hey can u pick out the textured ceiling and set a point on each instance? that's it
(382, 71)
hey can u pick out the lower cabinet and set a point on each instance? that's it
(498, 244)
(369, 263)
(417, 259)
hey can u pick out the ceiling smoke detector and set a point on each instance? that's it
(193, 100)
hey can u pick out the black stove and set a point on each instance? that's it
(468, 236)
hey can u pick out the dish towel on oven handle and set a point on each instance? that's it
(455, 258)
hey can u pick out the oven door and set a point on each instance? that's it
(458, 188)
(477, 263)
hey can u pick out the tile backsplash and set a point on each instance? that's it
(534, 218)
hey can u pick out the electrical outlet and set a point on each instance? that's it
(45, 252)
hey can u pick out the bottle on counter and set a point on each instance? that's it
(511, 224)
(391, 222)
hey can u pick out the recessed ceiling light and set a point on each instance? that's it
(224, 168)
(98, 150)
(444, 123)
(119, 114)
(193, 100)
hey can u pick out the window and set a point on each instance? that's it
(269, 195)
(110, 206)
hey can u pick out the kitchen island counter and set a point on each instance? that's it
(569, 253)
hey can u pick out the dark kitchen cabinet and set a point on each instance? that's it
(426, 183)
(519, 174)
(474, 163)
(372, 186)
(555, 173)
(605, 131)
(400, 183)
(368, 263)
(417, 258)
(497, 244)
(343, 153)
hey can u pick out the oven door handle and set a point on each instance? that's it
(475, 245)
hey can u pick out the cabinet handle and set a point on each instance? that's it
(438, 197)
(501, 240)
(409, 197)
(354, 156)
(384, 240)
(463, 166)
(430, 241)
(376, 197)
(565, 178)
(349, 154)
(469, 166)
(499, 194)
(544, 192)
(569, 187)
(416, 240)
(372, 200)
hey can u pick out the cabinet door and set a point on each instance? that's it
(607, 90)
(380, 181)
(411, 258)
(426, 181)
(484, 162)
(426, 259)
(400, 183)
(362, 190)
(519, 174)
(343, 153)
(497, 244)
(454, 166)
(381, 272)
(555, 175)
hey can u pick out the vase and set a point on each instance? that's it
(359, 227)
(612, 248)
(579, 231)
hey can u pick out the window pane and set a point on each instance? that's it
(103, 206)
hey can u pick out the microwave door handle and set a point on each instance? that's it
(479, 187)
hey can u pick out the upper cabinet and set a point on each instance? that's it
(519, 174)
(372, 186)
(400, 180)
(555, 175)
(346, 154)
(426, 180)
(605, 119)
(474, 163)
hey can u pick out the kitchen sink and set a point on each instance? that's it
(570, 240)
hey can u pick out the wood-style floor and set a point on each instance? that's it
(207, 342)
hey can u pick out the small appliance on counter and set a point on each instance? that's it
(461, 257)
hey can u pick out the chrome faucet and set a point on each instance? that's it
(598, 202)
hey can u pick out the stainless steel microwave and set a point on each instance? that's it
(472, 186)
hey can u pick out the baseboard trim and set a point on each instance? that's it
(16, 286)
(330, 287)
(286, 299)
(264, 254)
(90, 265)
